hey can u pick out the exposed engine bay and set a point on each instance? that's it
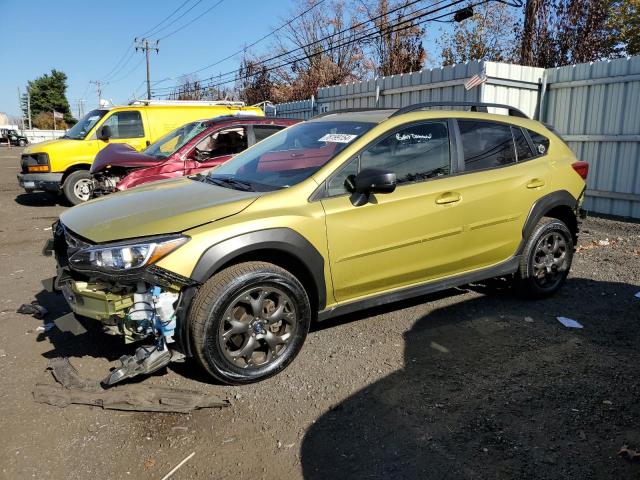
(140, 305)
(105, 183)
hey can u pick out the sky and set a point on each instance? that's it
(86, 40)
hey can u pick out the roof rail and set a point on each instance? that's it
(350, 110)
(199, 103)
(475, 107)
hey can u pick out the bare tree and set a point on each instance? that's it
(327, 51)
(398, 51)
(488, 35)
(560, 32)
(254, 83)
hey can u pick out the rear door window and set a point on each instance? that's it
(127, 124)
(486, 145)
(263, 131)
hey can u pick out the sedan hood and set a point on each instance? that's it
(122, 155)
(168, 206)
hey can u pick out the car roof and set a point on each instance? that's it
(361, 115)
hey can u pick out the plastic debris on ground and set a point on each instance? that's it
(629, 453)
(637, 295)
(569, 322)
(74, 389)
(46, 327)
(38, 311)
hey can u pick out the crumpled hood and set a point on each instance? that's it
(122, 155)
(168, 206)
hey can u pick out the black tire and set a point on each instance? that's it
(545, 264)
(227, 304)
(73, 187)
(22, 143)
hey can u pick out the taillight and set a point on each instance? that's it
(581, 168)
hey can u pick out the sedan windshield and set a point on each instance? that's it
(174, 140)
(80, 130)
(288, 157)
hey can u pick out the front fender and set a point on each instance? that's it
(283, 240)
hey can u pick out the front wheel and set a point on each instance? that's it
(248, 322)
(22, 143)
(77, 187)
(546, 259)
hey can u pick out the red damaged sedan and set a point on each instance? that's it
(192, 148)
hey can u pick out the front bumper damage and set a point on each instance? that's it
(147, 306)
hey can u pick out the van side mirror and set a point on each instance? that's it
(368, 181)
(104, 133)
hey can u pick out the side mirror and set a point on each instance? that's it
(368, 181)
(104, 133)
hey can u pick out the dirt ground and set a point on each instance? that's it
(470, 383)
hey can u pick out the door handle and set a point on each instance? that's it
(448, 197)
(535, 183)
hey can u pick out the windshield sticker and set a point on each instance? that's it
(337, 138)
(403, 137)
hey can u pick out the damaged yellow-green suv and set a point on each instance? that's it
(346, 211)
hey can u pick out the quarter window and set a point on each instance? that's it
(486, 145)
(125, 125)
(540, 142)
(523, 150)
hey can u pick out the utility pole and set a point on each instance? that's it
(144, 45)
(21, 111)
(98, 85)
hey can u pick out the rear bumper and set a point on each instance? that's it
(50, 182)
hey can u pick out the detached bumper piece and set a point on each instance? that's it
(147, 359)
(71, 388)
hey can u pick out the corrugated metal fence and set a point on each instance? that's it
(595, 106)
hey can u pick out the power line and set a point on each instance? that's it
(149, 32)
(394, 28)
(117, 63)
(136, 66)
(328, 37)
(273, 32)
(117, 71)
(190, 22)
(179, 17)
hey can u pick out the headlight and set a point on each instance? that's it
(122, 257)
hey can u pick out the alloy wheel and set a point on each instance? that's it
(258, 326)
(550, 259)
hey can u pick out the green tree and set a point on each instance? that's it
(48, 93)
(625, 21)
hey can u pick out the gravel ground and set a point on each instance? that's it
(470, 383)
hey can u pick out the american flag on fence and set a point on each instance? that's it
(57, 114)
(474, 81)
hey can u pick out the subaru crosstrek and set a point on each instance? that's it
(346, 211)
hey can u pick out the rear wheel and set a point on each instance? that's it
(22, 142)
(546, 259)
(77, 187)
(248, 322)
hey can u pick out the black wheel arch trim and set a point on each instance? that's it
(282, 239)
(559, 198)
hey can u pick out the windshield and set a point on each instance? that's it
(174, 140)
(80, 130)
(288, 157)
